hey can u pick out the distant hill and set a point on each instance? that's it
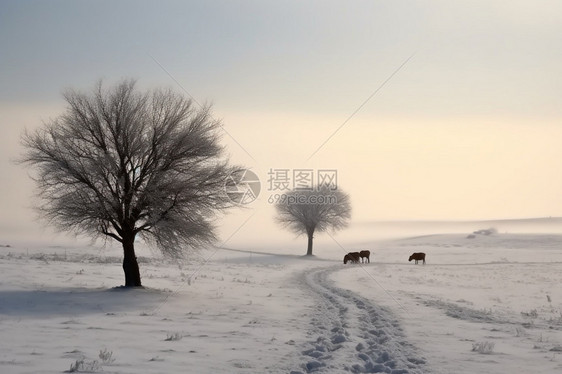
(512, 221)
(395, 229)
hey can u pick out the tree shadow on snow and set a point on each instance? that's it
(77, 301)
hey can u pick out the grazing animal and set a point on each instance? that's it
(365, 255)
(418, 256)
(356, 257)
(352, 257)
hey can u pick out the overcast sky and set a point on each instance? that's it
(457, 103)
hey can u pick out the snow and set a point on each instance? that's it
(236, 311)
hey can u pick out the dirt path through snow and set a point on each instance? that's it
(349, 334)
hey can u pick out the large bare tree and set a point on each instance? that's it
(121, 163)
(305, 212)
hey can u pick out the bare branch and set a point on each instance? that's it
(120, 162)
(306, 212)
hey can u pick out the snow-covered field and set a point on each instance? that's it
(491, 304)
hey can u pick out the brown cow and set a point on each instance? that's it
(418, 256)
(365, 254)
(352, 257)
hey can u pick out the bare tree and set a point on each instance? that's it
(120, 163)
(305, 212)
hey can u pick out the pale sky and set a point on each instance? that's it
(469, 128)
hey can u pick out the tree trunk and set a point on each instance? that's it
(310, 236)
(130, 264)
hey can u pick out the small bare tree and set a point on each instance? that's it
(120, 163)
(305, 212)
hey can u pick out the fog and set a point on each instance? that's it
(467, 129)
(366, 235)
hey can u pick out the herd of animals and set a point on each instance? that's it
(364, 256)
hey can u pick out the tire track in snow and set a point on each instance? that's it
(351, 335)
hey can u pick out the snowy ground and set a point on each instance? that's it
(491, 304)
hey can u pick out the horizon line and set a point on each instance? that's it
(546, 218)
